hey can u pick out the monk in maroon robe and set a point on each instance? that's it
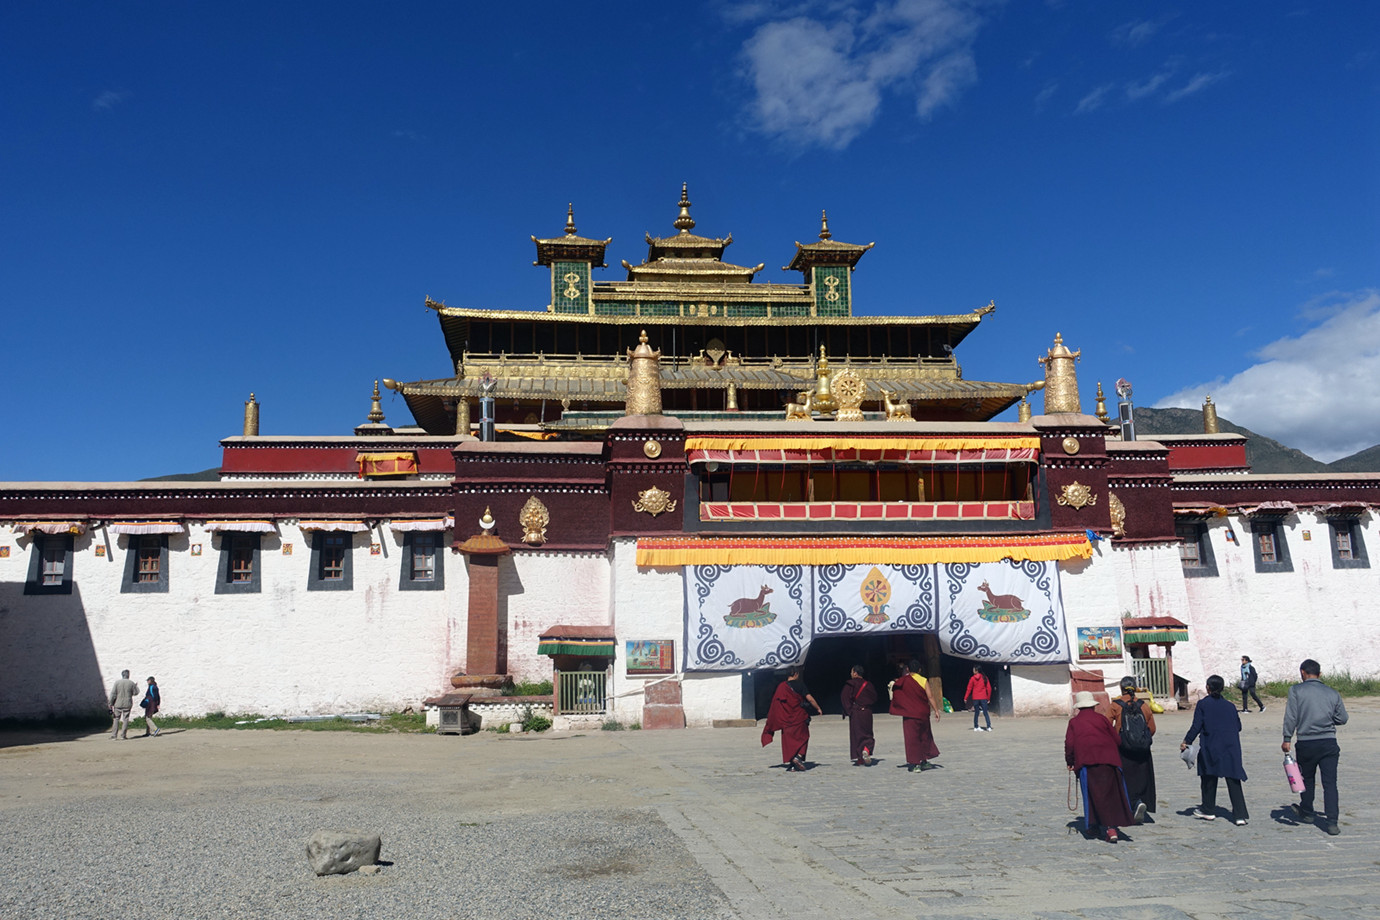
(789, 716)
(1092, 749)
(911, 701)
(857, 698)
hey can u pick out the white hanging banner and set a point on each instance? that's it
(1009, 612)
(875, 598)
(740, 617)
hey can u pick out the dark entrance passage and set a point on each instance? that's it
(957, 671)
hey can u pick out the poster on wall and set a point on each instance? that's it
(650, 656)
(747, 616)
(1099, 643)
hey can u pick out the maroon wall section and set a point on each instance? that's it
(1188, 457)
(631, 472)
(275, 459)
(355, 500)
(1087, 467)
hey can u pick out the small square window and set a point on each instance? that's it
(239, 564)
(331, 566)
(1195, 549)
(423, 562)
(54, 562)
(1348, 545)
(146, 565)
(50, 565)
(241, 560)
(150, 559)
(332, 557)
(1269, 546)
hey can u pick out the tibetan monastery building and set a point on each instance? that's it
(662, 491)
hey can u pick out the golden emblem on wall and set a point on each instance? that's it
(651, 448)
(1077, 496)
(1070, 446)
(1118, 511)
(654, 501)
(849, 390)
(534, 517)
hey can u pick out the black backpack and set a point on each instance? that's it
(1135, 733)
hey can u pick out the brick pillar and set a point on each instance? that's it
(481, 644)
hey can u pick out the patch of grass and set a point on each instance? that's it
(534, 722)
(528, 688)
(636, 727)
(391, 722)
(1341, 681)
(611, 725)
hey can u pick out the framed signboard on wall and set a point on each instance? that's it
(1099, 643)
(650, 656)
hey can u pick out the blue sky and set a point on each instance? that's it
(202, 200)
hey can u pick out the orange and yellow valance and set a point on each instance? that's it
(393, 463)
(668, 551)
(858, 443)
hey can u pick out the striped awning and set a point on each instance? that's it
(589, 648)
(390, 463)
(670, 551)
(846, 443)
(147, 527)
(256, 526)
(1155, 635)
(51, 527)
(427, 524)
(334, 526)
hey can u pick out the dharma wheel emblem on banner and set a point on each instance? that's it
(875, 593)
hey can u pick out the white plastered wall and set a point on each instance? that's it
(647, 604)
(1280, 618)
(541, 590)
(281, 651)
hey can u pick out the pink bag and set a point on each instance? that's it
(1291, 773)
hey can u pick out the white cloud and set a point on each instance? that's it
(1043, 96)
(1139, 89)
(1093, 100)
(1199, 83)
(1318, 391)
(1134, 32)
(107, 100)
(819, 71)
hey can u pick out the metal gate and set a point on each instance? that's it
(1153, 675)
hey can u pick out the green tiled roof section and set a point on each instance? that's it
(790, 310)
(833, 296)
(570, 287)
(745, 310)
(660, 309)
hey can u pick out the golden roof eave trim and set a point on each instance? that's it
(959, 319)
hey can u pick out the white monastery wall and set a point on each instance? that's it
(709, 696)
(1280, 618)
(1151, 583)
(1040, 689)
(646, 603)
(283, 650)
(544, 589)
(1089, 588)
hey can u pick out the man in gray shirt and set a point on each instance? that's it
(1314, 711)
(121, 702)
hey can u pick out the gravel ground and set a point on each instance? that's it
(116, 830)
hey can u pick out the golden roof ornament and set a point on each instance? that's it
(375, 410)
(534, 517)
(251, 418)
(570, 220)
(1023, 410)
(684, 223)
(1101, 412)
(849, 389)
(644, 379)
(823, 400)
(1210, 425)
(487, 522)
(1061, 380)
(824, 233)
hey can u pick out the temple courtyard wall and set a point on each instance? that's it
(288, 647)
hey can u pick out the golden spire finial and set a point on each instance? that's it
(1210, 425)
(1061, 379)
(824, 233)
(375, 410)
(1023, 410)
(684, 223)
(486, 523)
(1101, 412)
(570, 219)
(644, 379)
(251, 418)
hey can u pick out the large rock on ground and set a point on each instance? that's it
(341, 852)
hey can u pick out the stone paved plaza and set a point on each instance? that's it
(687, 824)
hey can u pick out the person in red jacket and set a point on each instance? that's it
(978, 693)
(1092, 749)
(910, 699)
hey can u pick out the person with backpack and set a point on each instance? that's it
(1217, 720)
(1135, 731)
(979, 692)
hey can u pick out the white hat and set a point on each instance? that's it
(1083, 700)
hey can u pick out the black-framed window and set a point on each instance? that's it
(1348, 545)
(1268, 546)
(238, 571)
(423, 561)
(146, 565)
(332, 567)
(1195, 549)
(50, 564)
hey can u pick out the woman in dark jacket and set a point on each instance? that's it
(1219, 724)
(1137, 766)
